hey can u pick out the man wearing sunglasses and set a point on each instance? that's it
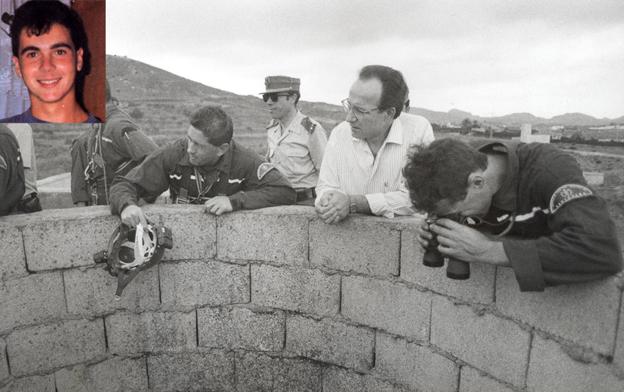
(552, 229)
(361, 170)
(296, 142)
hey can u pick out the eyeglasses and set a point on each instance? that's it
(357, 111)
(273, 96)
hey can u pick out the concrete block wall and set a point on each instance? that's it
(275, 300)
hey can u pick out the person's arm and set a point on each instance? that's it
(11, 175)
(79, 188)
(316, 145)
(264, 186)
(132, 142)
(392, 203)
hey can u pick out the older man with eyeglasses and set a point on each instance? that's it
(361, 170)
(296, 142)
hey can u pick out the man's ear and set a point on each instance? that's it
(476, 180)
(16, 66)
(223, 148)
(391, 112)
(79, 64)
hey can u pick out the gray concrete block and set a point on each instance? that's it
(551, 369)
(330, 341)
(112, 375)
(31, 384)
(390, 306)
(194, 231)
(242, 328)
(196, 283)
(130, 333)
(260, 373)
(45, 347)
(297, 289)
(4, 366)
(362, 244)
(478, 289)
(30, 300)
(414, 365)
(255, 372)
(593, 306)
(204, 371)
(494, 345)
(341, 380)
(66, 243)
(13, 261)
(265, 235)
(91, 291)
(296, 375)
(472, 380)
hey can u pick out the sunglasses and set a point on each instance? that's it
(273, 96)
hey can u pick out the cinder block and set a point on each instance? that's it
(92, 291)
(479, 288)
(390, 306)
(494, 345)
(45, 347)
(593, 306)
(551, 369)
(330, 341)
(31, 384)
(52, 244)
(341, 380)
(4, 367)
(260, 373)
(195, 283)
(414, 365)
(130, 333)
(12, 262)
(266, 235)
(618, 357)
(203, 371)
(472, 380)
(194, 231)
(361, 244)
(309, 291)
(240, 327)
(32, 299)
(113, 375)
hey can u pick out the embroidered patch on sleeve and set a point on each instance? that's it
(308, 125)
(566, 193)
(263, 169)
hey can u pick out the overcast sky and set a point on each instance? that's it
(488, 57)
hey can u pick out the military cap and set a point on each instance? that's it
(278, 84)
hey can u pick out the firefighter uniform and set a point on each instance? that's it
(559, 230)
(240, 174)
(11, 172)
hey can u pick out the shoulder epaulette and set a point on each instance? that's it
(308, 125)
(272, 124)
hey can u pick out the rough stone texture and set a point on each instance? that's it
(206, 371)
(266, 235)
(389, 306)
(472, 380)
(4, 367)
(113, 375)
(330, 341)
(552, 370)
(479, 288)
(52, 244)
(194, 232)
(341, 380)
(45, 347)
(32, 299)
(31, 384)
(302, 290)
(12, 261)
(594, 309)
(361, 244)
(414, 365)
(196, 283)
(240, 328)
(618, 357)
(92, 291)
(150, 332)
(497, 346)
(260, 373)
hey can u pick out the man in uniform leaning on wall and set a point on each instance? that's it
(206, 167)
(11, 172)
(296, 142)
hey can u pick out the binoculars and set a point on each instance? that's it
(455, 269)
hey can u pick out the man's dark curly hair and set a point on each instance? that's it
(440, 171)
(214, 123)
(38, 16)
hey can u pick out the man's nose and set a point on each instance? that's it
(47, 62)
(350, 116)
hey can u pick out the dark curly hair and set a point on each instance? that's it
(214, 123)
(440, 171)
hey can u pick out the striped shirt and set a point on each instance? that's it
(350, 167)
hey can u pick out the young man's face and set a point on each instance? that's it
(200, 151)
(48, 64)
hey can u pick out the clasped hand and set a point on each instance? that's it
(333, 207)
